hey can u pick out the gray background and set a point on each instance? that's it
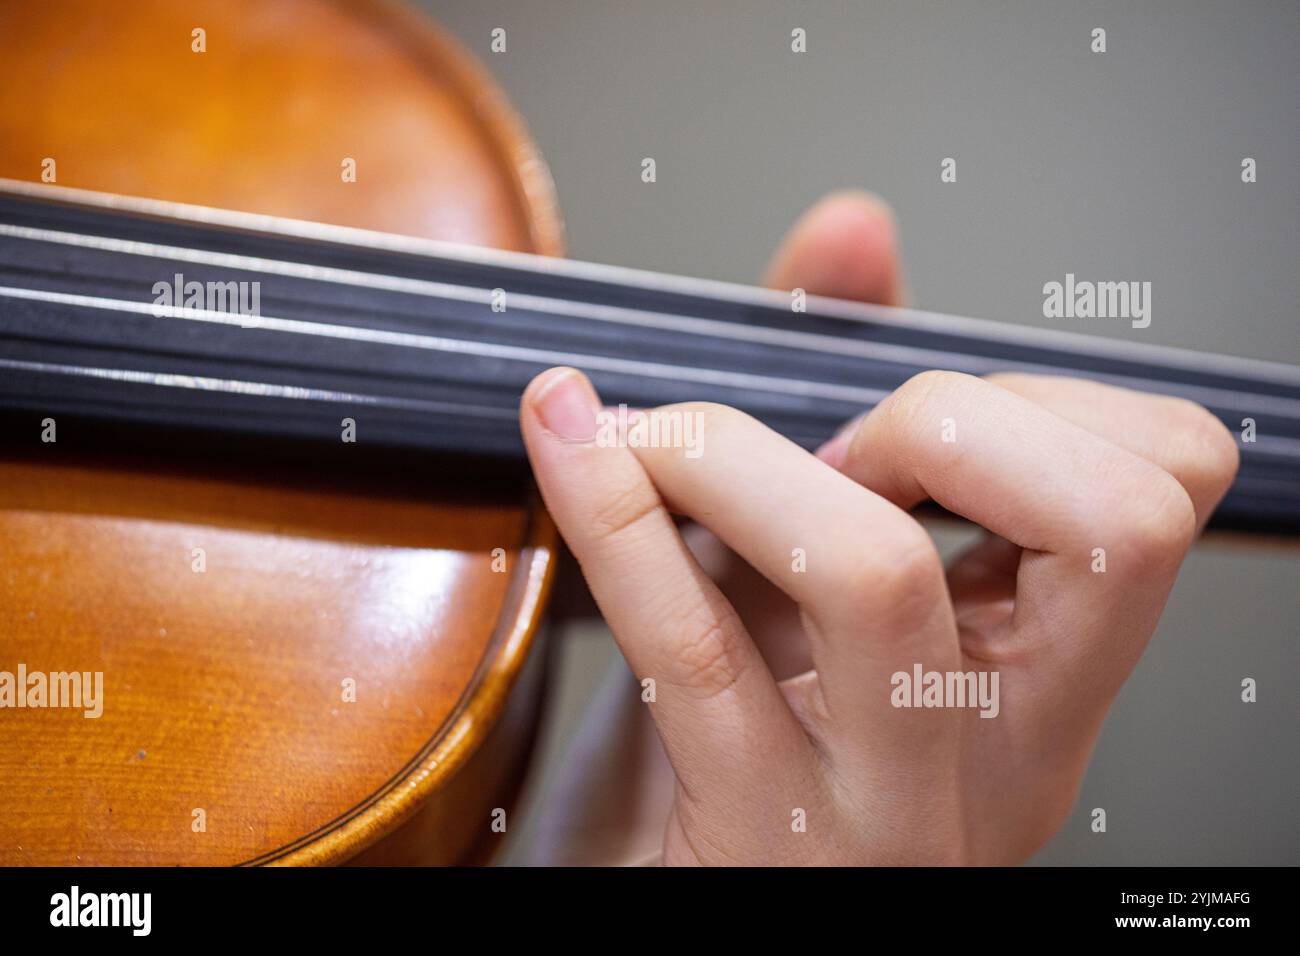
(1122, 165)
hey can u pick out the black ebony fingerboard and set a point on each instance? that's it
(348, 331)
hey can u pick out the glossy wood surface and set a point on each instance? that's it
(224, 687)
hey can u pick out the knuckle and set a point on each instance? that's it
(711, 413)
(1205, 455)
(706, 658)
(1013, 379)
(693, 426)
(925, 385)
(894, 579)
(708, 409)
(913, 404)
(917, 390)
(624, 512)
(1157, 521)
(900, 434)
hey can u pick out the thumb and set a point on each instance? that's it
(846, 246)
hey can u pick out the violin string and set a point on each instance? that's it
(549, 266)
(715, 312)
(434, 343)
(810, 341)
(1266, 492)
(1250, 401)
(570, 308)
(641, 318)
(1239, 400)
(1274, 446)
(257, 389)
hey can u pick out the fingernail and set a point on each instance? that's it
(567, 406)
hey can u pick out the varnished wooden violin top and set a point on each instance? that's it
(295, 665)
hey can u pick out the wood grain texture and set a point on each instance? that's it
(262, 120)
(224, 687)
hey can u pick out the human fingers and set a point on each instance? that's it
(865, 574)
(1103, 530)
(718, 709)
(1177, 435)
(846, 247)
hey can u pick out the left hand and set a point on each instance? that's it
(1053, 468)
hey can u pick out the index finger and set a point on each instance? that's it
(717, 707)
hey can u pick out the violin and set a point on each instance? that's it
(274, 577)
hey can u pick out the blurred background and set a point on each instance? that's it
(1122, 165)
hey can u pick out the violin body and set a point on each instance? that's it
(301, 664)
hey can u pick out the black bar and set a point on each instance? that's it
(466, 909)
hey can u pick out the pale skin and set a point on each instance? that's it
(773, 684)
